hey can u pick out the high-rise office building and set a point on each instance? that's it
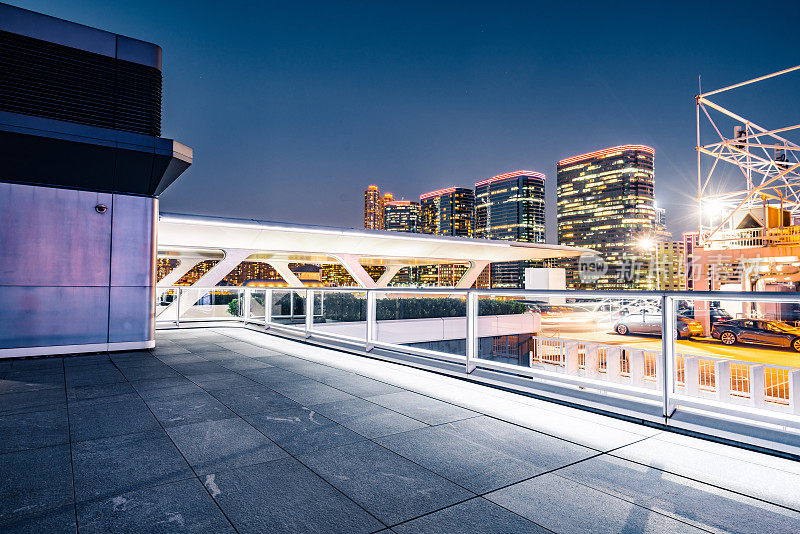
(373, 209)
(401, 216)
(449, 211)
(605, 203)
(670, 264)
(510, 206)
(691, 240)
(660, 232)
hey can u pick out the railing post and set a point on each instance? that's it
(571, 362)
(178, 309)
(267, 308)
(472, 330)
(613, 367)
(722, 380)
(291, 306)
(691, 375)
(592, 361)
(794, 391)
(668, 353)
(757, 386)
(246, 313)
(309, 312)
(372, 321)
(636, 363)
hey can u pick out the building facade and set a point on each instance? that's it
(670, 262)
(510, 206)
(605, 203)
(691, 240)
(401, 216)
(449, 211)
(373, 209)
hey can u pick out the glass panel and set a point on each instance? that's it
(341, 313)
(429, 321)
(739, 352)
(211, 304)
(164, 298)
(257, 299)
(288, 307)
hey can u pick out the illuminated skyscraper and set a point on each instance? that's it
(449, 211)
(605, 203)
(401, 216)
(510, 206)
(373, 209)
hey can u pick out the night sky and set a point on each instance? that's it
(293, 108)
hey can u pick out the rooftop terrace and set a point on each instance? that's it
(228, 429)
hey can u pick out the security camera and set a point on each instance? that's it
(101, 208)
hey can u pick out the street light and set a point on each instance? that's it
(649, 244)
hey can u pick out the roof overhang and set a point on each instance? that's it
(194, 236)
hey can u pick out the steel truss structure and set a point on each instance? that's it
(768, 160)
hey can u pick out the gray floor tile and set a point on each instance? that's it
(422, 408)
(94, 421)
(361, 386)
(185, 388)
(301, 430)
(142, 386)
(79, 360)
(366, 418)
(204, 348)
(34, 480)
(705, 506)
(198, 368)
(254, 399)
(37, 364)
(257, 352)
(390, 487)
(311, 392)
(183, 506)
(98, 391)
(226, 380)
(93, 375)
(166, 350)
(473, 466)
(244, 363)
(30, 381)
(188, 408)
(218, 445)
(31, 430)
(150, 372)
(273, 377)
(563, 505)
(476, 516)
(541, 450)
(32, 401)
(107, 467)
(283, 496)
(59, 520)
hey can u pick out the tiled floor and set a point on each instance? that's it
(214, 432)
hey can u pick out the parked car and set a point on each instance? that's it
(650, 323)
(757, 331)
(717, 315)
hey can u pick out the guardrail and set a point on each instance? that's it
(664, 378)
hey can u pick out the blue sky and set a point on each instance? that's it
(293, 108)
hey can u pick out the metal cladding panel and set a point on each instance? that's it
(53, 237)
(131, 314)
(133, 239)
(43, 316)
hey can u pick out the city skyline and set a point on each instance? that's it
(419, 94)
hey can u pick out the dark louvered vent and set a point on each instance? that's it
(58, 82)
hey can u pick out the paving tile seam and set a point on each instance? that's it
(600, 452)
(706, 483)
(434, 398)
(663, 513)
(189, 465)
(298, 461)
(71, 459)
(468, 500)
